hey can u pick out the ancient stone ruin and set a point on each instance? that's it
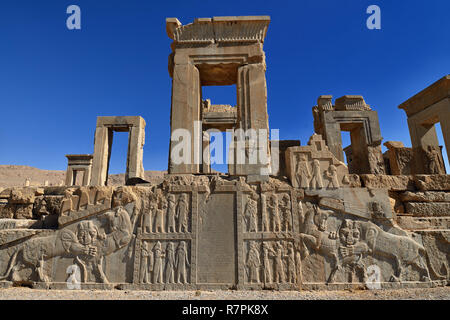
(286, 216)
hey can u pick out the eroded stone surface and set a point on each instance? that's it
(427, 196)
(428, 209)
(432, 182)
(397, 183)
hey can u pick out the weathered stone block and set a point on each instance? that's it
(395, 183)
(436, 182)
(427, 196)
(427, 209)
(23, 211)
(353, 180)
(423, 223)
(22, 196)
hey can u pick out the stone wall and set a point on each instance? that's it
(218, 232)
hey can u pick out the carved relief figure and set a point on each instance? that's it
(171, 212)
(170, 263)
(292, 277)
(278, 263)
(253, 263)
(286, 209)
(298, 264)
(316, 237)
(268, 252)
(275, 215)
(87, 245)
(251, 214)
(352, 250)
(147, 221)
(376, 160)
(302, 173)
(145, 265)
(158, 256)
(332, 176)
(434, 160)
(181, 262)
(87, 235)
(402, 249)
(159, 219)
(264, 214)
(316, 180)
(182, 213)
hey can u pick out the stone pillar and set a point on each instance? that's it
(422, 136)
(87, 176)
(252, 114)
(206, 163)
(69, 176)
(186, 102)
(400, 158)
(135, 155)
(444, 119)
(102, 154)
(332, 134)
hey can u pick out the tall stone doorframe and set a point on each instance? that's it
(78, 164)
(217, 51)
(135, 126)
(424, 110)
(351, 113)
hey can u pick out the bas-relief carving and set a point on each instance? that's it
(87, 243)
(167, 214)
(284, 237)
(271, 262)
(434, 161)
(274, 214)
(164, 262)
(350, 245)
(314, 166)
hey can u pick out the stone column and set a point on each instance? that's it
(444, 119)
(135, 155)
(206, 163)
(332, 135)
(102, 154)
(87, 176)
(422, 136)
(252, 114)
(69, 176)
(186, 101)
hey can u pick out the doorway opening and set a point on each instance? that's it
(118, 156)
(442, 146)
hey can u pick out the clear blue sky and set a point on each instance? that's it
(54, 82)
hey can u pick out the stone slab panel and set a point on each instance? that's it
(216, 241)
(394, 183)
(437, 182)
(427, 196)
(426, 209)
